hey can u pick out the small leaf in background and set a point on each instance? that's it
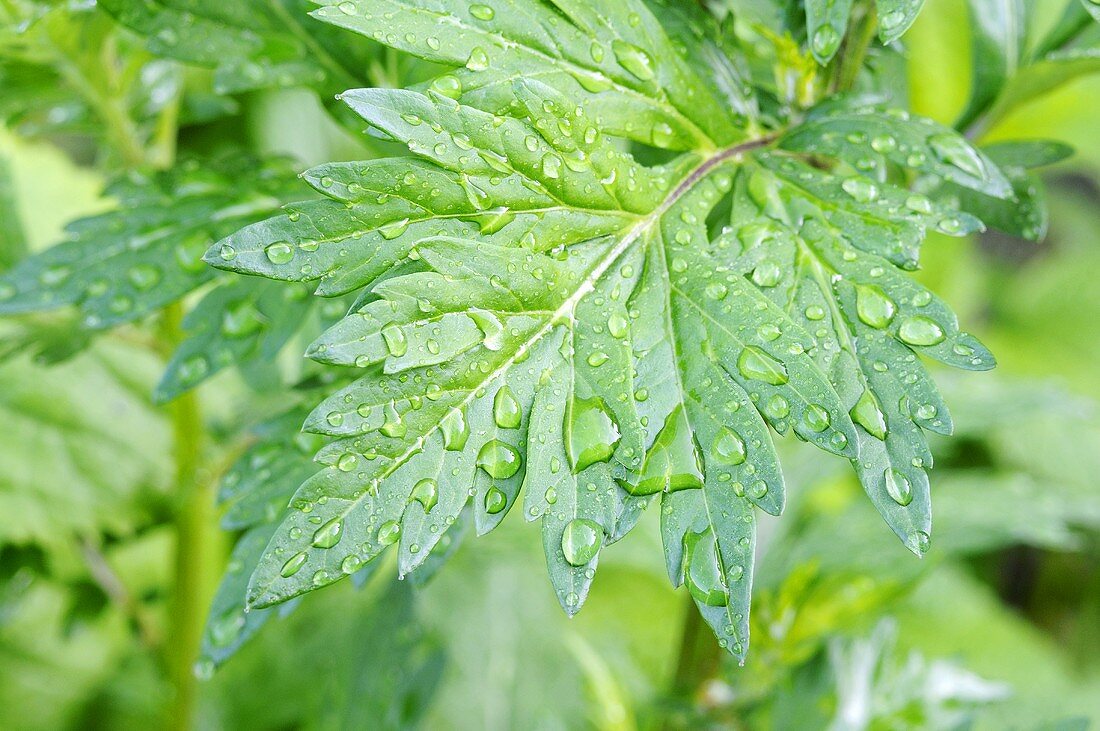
(895, 17)
(1026, 215)
(826, 24)
(122, 265)
(997, 33)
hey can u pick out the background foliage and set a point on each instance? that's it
(997, 625)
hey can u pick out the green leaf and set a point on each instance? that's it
(826, 24)
(1044, 76)
(258, 486)
(229, 626)
(13, 244)
(67, 69)
(238, 322)
(1076, 18)
(1025, 214)
(1092, 8)
(89, 454)
(897, 139)
(539, 311)
(614, 56)
(249, 44)
(997, 31)
(895, 17)
(121, 265)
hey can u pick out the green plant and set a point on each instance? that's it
(591, 255)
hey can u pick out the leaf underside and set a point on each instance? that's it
(543, 321)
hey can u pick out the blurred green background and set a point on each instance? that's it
(998, 627)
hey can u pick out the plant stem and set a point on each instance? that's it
(856, 44)
(198, 543)
(699, 653)
(698, 660)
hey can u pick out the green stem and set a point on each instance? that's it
(698, 659)
(198, 543)
(854, 53)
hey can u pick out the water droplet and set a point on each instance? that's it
(825, 41)
(920, 330)
(922, 541)
(633, 59)
(225, 630)
(329, 534)
(617, 326)
(898, 487)
(334, 418)
(293, 565)
(816, 418)
(861, 189)
(673, 462)
(716, 290)
(581, 541)
(918, 204)
(394, 229)
(499, 460)
(279, 253)
(495, 219)
(389, 532)
(597, 359)
(482, 12)
(491, 327)
(873, 306)
(892, 20)
(240, 319)
(770, 331)
(194, 369)
(949, 225)
(144, 276)
(506, 409)
(495, 500)
(729, 447)
(767, 274)
(591, 434)
(478, 60)
(395, 340)
(551, 166)
(425, 492)
(777, 407)
(868, 414)
(455, 430)
(702, 571)
(448, 85)
(347, 462)
(392, 426)
(954, 150)
(347, 7)
(884, 144)
(227, 253)
(754, 363)
(661, 135)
